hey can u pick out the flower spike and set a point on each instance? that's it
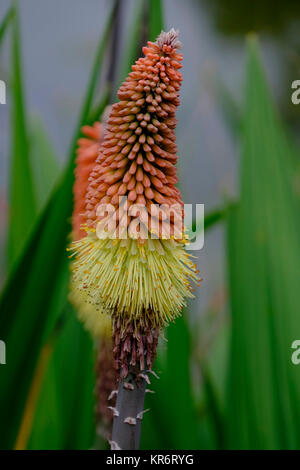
(132, 264)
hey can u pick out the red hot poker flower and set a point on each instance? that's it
(142, 283)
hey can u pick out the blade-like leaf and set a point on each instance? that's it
(133, 43)
(156, 19)
(214, 409)
(97, 111)
(64, 417)
(5, 23)
(214, 217)
(22, 201)
(264, 251)
(43, 162)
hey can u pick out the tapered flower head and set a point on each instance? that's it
(132, 263)
(138, 154)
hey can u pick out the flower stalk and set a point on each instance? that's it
(129, 410)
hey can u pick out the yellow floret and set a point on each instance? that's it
(131, 280)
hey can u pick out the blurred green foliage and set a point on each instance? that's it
(46, 393)
(264, 270)
(233, 17)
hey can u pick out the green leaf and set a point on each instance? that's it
(97, 111)
(133, 43)
(43, 162)
(214, 409)
(64, 418)
(263, 410)
(213, 217)
(156, 19)
(5, 23)
(22, 200)
(37, 289)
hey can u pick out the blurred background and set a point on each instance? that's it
(226, 376)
